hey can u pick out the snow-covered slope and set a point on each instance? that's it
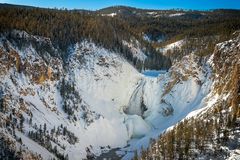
(93, 100)
(170, 97)
(110, 14)
(103, 83)
(136, 49)
(94, 84)
(176, 14)
(211, 130)
(171, 47)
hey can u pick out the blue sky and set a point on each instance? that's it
(151, 4)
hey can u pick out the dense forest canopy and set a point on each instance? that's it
(66, 27)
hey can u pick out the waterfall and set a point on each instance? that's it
(136, 105)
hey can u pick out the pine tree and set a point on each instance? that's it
(44, 128)
(135, 155)
(21, 122)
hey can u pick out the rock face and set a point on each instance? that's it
(226, 65)
(213, 131)
(93, 100)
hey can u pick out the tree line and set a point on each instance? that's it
(65, 28)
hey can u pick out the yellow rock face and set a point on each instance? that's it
(49, 73)
(42, 78)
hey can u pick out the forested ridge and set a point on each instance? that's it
(66, 27)
(191, 23)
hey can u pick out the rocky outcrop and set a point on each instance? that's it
(38, 64)
(213, 131)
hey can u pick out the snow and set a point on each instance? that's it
(185, 98)
(107, 73)
(148, 38)
(116, 136)
(110, 14)
(176, 14)
(35, 147)
(234, 155)
(137, 127)
(136, 49)
(132, 106)
(152, 13)
(172, 46)
(112, 81)
(165, 14)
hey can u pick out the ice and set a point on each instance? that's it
(153, 73)
(136, 126)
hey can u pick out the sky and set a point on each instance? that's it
(146, 4)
